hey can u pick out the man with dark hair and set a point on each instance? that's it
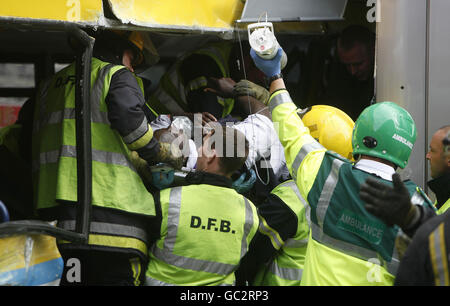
(231, 147)
(356, 50)
(350, 83)
(206, 225)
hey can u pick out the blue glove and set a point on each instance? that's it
(4, 215)
(268, 67)
(242, 186)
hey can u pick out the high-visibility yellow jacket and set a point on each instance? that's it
(205, 231)
(116, 184)
(288, 238)
(170, 96)
(347, 245)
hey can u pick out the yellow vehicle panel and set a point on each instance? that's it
(179, 13)
(89, 11)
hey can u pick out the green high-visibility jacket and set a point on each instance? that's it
(170, 96)
(205, 231)
(347, 245)
(286, 267)
(115, 183)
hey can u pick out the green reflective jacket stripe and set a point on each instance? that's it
(287, 267)
(115, 182)
(203, 238)
(348, 246)
(170, 96)
(444, 207)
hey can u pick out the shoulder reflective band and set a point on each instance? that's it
(278, 98)
(305, 150)
(327, 191)
(438, 256)
(286, 273)
(166, 254)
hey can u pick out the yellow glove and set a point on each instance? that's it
(141, 167)
(169, 153)
(244, 87)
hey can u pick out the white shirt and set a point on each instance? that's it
(371, 166)
(263, 143)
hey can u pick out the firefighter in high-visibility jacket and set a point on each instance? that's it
(206, 226)
(278, 254)
(347, 245)
(183, 89)
(116, 253)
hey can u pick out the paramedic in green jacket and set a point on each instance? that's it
(347, 245)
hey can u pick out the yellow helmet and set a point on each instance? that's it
(143, 45)
(331, 127)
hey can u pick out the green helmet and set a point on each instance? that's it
(385, 130)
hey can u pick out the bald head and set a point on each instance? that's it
(439, 152)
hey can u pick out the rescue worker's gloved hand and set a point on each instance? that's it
(141, 167)
(223, 87)
(241, 185)
(244, 87)
(392, 205)
(170, 154)
(269, 67)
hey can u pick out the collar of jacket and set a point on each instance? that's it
(200, 177)
(441, 187)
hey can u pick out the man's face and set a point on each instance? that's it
(439, 164)
(128, 59)
(357, 60)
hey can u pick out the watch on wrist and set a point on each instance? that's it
(275, 77)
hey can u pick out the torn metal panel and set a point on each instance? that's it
(206, 16)
(80, 11)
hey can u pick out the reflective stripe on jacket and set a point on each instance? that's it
(444, 207)
(115, 182)
(348, 246)
(287, 267)
(205, 232)
(170, 96)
